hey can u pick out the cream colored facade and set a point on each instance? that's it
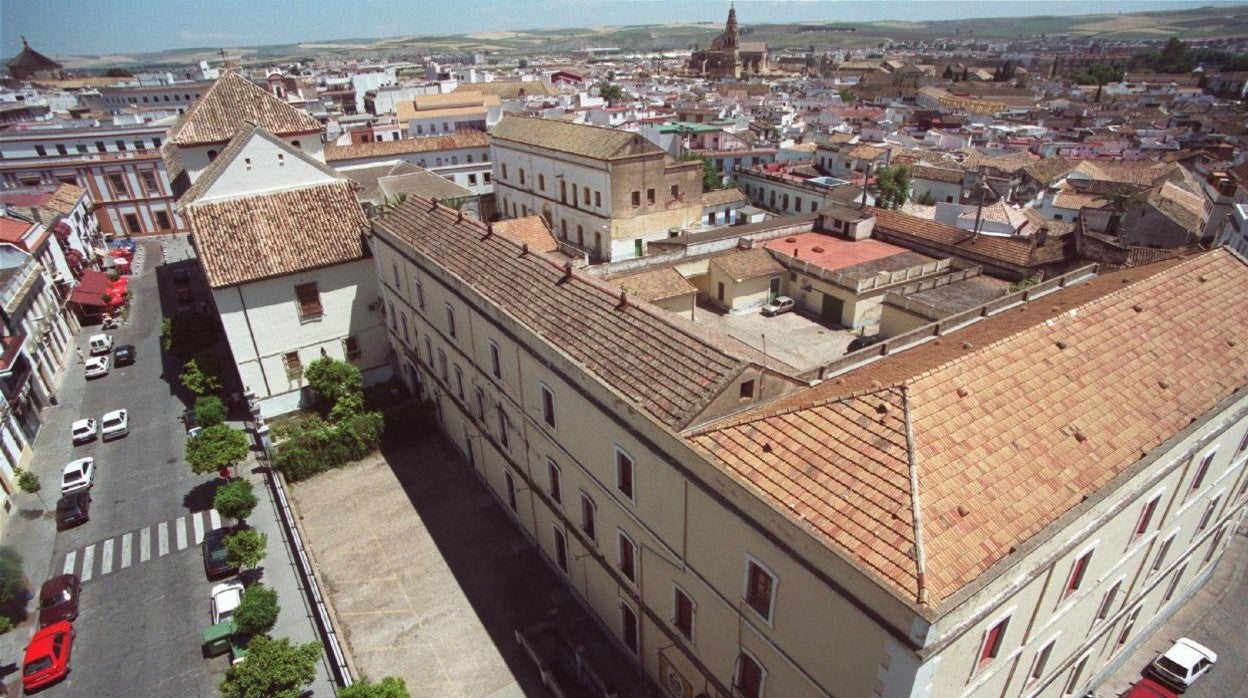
(832, 628)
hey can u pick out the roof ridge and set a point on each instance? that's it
(231, 152)
(916, 506)
(761, 412)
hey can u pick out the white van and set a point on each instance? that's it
(100, 344)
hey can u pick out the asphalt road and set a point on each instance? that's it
(146, 602)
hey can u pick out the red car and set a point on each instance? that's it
(1148, 688)
(47, 656)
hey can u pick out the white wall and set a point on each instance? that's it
(262, 167)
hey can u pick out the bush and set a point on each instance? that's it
(273, 669)
(235, 500)
(166, 334)
(317, 445)
(6, 624)
(215, 448)
(257, 612)
(246, 548)
(201, 375)
(209, 411)
(331, 380)
(389, 687)
(12, 580)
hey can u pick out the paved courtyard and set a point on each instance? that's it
(429, 578)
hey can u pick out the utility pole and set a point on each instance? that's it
(979, 209)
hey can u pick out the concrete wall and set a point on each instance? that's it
(260, 168)
(942, 192)
(739, 296)
(681, 305)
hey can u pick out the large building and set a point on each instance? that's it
(728, 56)
(605, 192)
(1005, 510)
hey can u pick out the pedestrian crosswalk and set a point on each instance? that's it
(121, 552)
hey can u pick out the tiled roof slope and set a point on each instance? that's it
(1014, 250)
(407, 146)
(531, 231)
(596, 142)
(662, 363)
(656, 284)
(233, 99)
(740, 265)
(259, 237)
(1014, 419)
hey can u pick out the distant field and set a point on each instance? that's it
(509, 45)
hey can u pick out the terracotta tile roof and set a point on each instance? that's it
(866, 152)
(1143, 173)
(936, 174)
(449, 104)
(656, 284)
(668, 367)
(723, 196)
(1077, 200)
(258, 237)
(1046, 170)
(1085, 394)
(63, 200)
(510, 89)
(1012, 250)
(407, 146)
(13, 229)
(231, 100)
(595, 142)
(740, 265)
(1181, 206)
(529, 230)
(835, 253)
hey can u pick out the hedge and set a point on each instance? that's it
(317, 445)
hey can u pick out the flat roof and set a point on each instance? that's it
(834, 253)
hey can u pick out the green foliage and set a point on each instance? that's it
(1030, 280)
(201, 375)
(331, 379)
(12, 581)
(117, 73)
(166, 334)
(273, 669)
(927, 199)
(610, 91)
(257, 612)
(347, 406)
(389, 687)
(894, 186)
(246, 548)
(712, 180)
(114, 275)
(235, 500)
(28, 482)
(209, 411)
(6, 624)
(318, 445)
(215, 448)
(1100, 74)
(846, 95)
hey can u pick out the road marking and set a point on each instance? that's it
(125, 551)
(215, 519)
(145, 544)
(70, 559)
(181, 531)
(162, 534)
(106, 557)
(88, 560)
(198, 520)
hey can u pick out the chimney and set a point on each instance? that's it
(623, 301)
(567, 271)
(524, 250)
(460, 218)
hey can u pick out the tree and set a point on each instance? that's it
(257, 612)
(200, 375)
(273, 669)
(246, 548)
(927, 199)
(209, 411)
(28, 482)
(235, 500)
(845, 95)
(711, 179)
(216, 448)
(12, 580)
(894, 186)
(948, 74)
(610, 91)
(117, 73)
(389, 687)
(332, 379)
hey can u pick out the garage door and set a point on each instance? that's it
(833, 308)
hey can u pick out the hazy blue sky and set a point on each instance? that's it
(128, 26)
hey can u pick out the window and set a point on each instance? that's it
(760, 589)
(1077, 571)
(588, 517)
(420, 295)
(636, 198)
(597, 199)
(624, 473)
(61, 149)
(156, 143)
(548, 406)
(993, 639)
(294, 367)
(162, 220)
(121, 145)
(561, 550)
(1075, 675)
(649, 196)
(459, 382)
(509, 483)
(496, 362)
(749, 679)
(450, 320)
(351, 348)
(212, 155)
(585, 196)
(1208, 515)
(675, 191)
(1243, 444)
(1174, 583)
(428, 351)
(504, 428)
(309, 299)
(132, 223)
(504, 170)
(472, 179)
(747, 390)
(1201, 471)
(41, 151)
(1215, 545)
(406, 338)
(117, 182)
(628, 627)
(1042, 659)
(139, 145)
(1146, 517)
(480, 403)
(485, 177)
(521, 175)
(541, 182)
(1107, 603)
(1162, 553)
(555, 487)
(1128, 626)
(150, 185)
(797, 204)
(628, 556)
(99, 146)
(682, 612)
(442, 369)
(394, 273)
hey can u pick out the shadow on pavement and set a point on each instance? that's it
(200, 496)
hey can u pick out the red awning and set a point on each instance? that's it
(91, 288)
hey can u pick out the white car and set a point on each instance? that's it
(97, 366)
(100, 344)
(781, 304)
(78, 475)
(225, 598)
(84, 430)
(1185, 661)
(115, 424)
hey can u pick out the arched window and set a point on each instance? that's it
(212, 155)
(296, 144)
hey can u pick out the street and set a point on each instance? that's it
(145, 597)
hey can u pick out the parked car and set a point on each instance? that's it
(780, 304)
(97, 367)
(863, 343)
(1180, 666)
(115, 425)
(225, 598)
(58, 599)
(84, 430)
(123, 355)
(215, 564)
(100, 344)
(192, 425)
(73, 508)
(78, 475)
(47, 656)
(1148, 688)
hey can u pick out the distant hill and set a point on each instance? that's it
(1188, 23)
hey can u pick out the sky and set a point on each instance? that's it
(87, 27)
